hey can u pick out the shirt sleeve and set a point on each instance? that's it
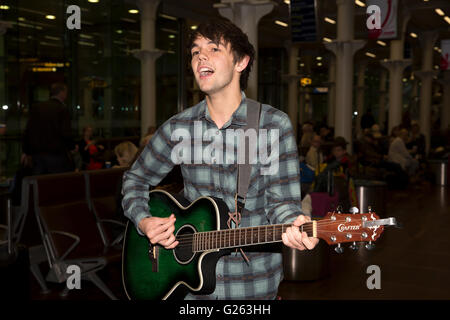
(152, 165)
(283, 196)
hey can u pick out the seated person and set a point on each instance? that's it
(339, 153)
(125, 153)
(399, 154)
(90, 150)
(314, 157)
(369, 152)
(416, 142)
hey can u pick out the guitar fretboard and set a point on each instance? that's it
(241, 237)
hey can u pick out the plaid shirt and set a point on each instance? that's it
(271, 198)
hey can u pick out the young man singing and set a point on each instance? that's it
(221, 60)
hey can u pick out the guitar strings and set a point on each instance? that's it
(306, 227)
(207, 241)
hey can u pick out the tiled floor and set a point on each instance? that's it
(414, 261)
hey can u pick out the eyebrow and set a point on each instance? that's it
(194, 45)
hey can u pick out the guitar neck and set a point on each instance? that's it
(241, 237)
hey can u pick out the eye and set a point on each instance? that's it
(194, 53)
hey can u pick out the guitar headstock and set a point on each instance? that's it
(337, 228)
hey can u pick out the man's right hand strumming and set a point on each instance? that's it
(160, 230)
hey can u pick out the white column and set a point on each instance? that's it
(148, 55)
(246, 15)
(445, 111)
(396, 65)
(344, 48)
(427, 40)
(293, 80)
(331, 91)
(382, 99)
(395, 68)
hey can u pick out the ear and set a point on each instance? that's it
(242, 64)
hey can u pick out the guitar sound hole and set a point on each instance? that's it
(183, 251)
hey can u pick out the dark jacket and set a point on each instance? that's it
(48, 130)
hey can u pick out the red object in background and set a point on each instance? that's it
(445, 61)
(93, 164)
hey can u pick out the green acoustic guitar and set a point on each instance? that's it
(152, 272)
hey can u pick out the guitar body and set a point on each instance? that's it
(179, 270)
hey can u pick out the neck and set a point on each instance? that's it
(241, 237)
(222, 105)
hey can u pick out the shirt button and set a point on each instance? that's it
(219, 276)
(217, 132)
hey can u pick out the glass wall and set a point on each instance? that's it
(97, 62)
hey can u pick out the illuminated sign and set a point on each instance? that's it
(305, 81)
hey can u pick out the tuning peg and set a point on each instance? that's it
(354, 246)
(339, 209)
(369, 208)
(369, 245)
(339, 249)
(354, 210)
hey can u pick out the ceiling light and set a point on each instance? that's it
(319, 64)
(171, 36)
(327, 39)
(281, 23)
(330, 20)
(194, 27)
(370, 55)
(439, 12)
(119, 31)
(287, 1)
(447, 19)
(21, 18)
(50, 17)
(302, 64)
(93, 1)
(412, 34)
(360, 3)
(133, 11)
(381, 43)
(319, 58)
(5, 107)
(162, 15)
(4, 7)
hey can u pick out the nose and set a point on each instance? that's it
(202, 55)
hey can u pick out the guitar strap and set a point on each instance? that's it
(244, 169)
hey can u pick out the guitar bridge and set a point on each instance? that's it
(153, 256)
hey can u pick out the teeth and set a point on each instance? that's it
(205, 70)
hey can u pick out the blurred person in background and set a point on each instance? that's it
(126, 153)
(314, 157)
(89, 150)
(398, 153)
(48, 138)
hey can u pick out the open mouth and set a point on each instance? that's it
(205, 72)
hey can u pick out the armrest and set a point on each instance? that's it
(69, 235)
(113, 222)
(121, 235)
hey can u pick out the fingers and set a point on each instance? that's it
(170, 243)
(299, 240)
(160, 230)
(294, 238)
(164, 235)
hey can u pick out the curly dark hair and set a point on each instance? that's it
(223, 29)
